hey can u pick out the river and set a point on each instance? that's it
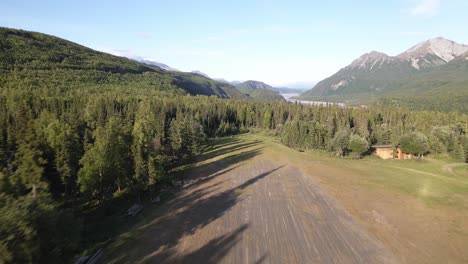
(289, 98)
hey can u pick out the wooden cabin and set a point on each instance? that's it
(386, 152)
(383, 151)
(401, 155)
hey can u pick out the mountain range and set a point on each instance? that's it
(430, 75)
(265, 92)
(29, 57)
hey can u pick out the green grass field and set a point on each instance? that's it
(424, 179)
(461, 171)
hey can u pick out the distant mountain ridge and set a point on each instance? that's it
(157, 64)
(260, 91)
(202, 74)
(254, 85)
(431, 67)
(261, 85)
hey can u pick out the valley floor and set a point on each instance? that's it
(248, 199)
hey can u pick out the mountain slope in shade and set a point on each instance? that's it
(427, 70)
(222, 80)
(254, 85)
(443, 88)
(260, 91)
(26, 55)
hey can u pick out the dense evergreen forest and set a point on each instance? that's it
(55, 151)
(66, 142)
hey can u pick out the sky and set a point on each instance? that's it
(282, 43)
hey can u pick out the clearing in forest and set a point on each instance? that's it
(248, 199)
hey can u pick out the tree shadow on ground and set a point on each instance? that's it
(195, 208)
(221, 150)
(216, 143)
(205, 172)
(216, 249)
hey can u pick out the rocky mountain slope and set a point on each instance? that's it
(434, 52)
(434, 67)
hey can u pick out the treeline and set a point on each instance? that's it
(60, 150)
(356, 130)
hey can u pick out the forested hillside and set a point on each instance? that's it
(79, 129)
(34, 58)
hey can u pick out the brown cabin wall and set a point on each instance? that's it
(384, 153)
(387, 153)
(402, 155)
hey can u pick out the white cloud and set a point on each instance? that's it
(425, 8)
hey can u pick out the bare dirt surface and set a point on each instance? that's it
(241, 206)
(413, 228)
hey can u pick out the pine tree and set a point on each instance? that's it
(267, 124)
(29, 164)
(106, 164)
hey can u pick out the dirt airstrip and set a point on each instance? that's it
(243, 204)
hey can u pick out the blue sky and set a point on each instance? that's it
(278, 42)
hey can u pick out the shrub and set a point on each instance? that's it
(358, 145)
(414, 143)
(340, 142)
